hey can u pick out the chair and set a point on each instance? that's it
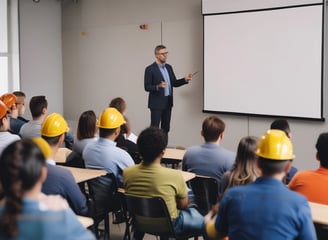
(74, 159)
(151, 216)
(205, 190)
(321, 231)
(103, 199)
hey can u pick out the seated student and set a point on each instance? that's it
(120, 105)
(26, 213)
(244, 171)
(283, 125)
(150, 179)
(59, 180)
(10, 101)
(21, 105)
(209, 159)
(39, 108)
(86, 131)
(103, 153)
(313, 183)
(5, 136)
(265, 209)
(16, 122)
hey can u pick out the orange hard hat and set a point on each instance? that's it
(9, 99)
(3, 109)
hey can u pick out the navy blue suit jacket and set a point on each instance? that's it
(153, 77)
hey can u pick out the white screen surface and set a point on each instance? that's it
(264, 62)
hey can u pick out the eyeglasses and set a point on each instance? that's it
(164, 53)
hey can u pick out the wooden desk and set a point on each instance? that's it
(86, 221)
(319, 213)
(61, 155)
(84, 174)
(173, 156)
(187, 176)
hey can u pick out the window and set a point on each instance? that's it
(9, 46)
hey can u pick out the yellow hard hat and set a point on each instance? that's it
(9, 99)
(43, 145)
(110, 118)
(54, 125)
(3, 109)
(275, 145)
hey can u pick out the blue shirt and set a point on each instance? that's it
(208, 159)
(103, 154)
(265, 209)
(38, 223)
(165, 74)
(61, 181)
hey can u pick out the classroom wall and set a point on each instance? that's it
(104, 53)
(41, 52)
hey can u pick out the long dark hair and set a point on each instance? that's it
(87, 125)
(20, 168)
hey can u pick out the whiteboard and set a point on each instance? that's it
(266, 62)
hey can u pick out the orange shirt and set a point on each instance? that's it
(313, 184)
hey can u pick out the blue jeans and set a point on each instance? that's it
(189, 221)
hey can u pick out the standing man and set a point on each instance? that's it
(159, 82)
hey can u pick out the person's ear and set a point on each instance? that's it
(44, 111)
(317, 156)
(288, 167)
(117, 131)
(61, 139)
(163, 152)
(222, 135)
(44, 172)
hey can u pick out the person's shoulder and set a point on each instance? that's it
(193, 149)
(59, 171)
(54, 202)
(151, 65)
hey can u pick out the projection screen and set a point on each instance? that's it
(266, 62)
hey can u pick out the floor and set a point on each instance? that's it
(117, 231)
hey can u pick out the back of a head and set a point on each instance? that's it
(87, 125)
(37, 104)
(151, 143)
(322, 149)
(244, 170)
(281, 124)
(246, 150)
(19, 94)
(274, 150)
(212, 128)
(21, 164)
(118, 103)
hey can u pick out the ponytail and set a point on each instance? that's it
(20, 168)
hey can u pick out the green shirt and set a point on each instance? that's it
(156, 181)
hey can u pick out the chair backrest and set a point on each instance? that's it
(321, 231)
(205, 190)
(75, 159)
(150, 215)
(103, 192)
